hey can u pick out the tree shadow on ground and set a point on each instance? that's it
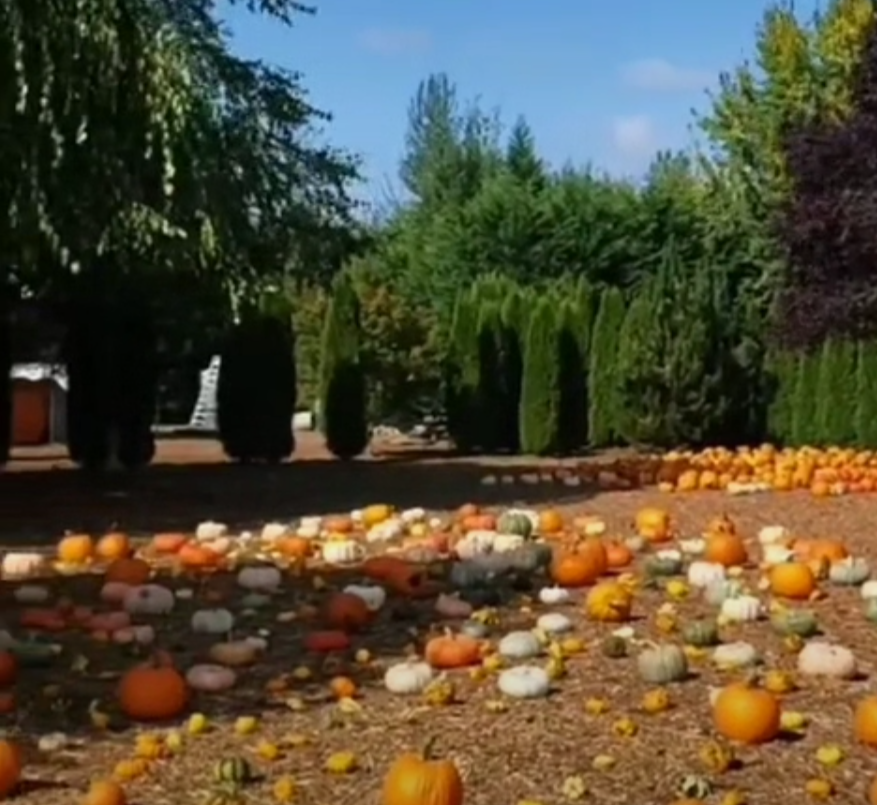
(37, 506)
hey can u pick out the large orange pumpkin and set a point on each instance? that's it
(452, 651)
(153, 692)
(114, 545)
(74, 549)
(169, 542)
(105, 792)
(865, 721)
(746, 714)
(793, 580)
(419, 780)
(577, 569)
(726, 549)
(10, 768)
(550, 522)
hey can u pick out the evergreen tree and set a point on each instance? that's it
(491, 396)
(575, 311)
(515, 316)
(804, 429)
(866, 395)
(540, 386)
(782, 375)
(602, 379)
(5, 383)
(835, 412)
(462, 371)
(343, 397)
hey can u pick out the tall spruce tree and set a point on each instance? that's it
(540, 386)
(462, 371)
(603, 409)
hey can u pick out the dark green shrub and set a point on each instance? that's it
(462, 371)
(835, 412)
(782, 375)
(514, 314)
(866, 394)
(804, 427)
(576, 312)
(343, 389)
(491, 397)
(602, 377)
(540, 387)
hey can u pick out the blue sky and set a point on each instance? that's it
(600, 81)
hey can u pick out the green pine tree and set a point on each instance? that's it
(866, 394)
(514, 314)
(462, 372)
(835, 414)
(540, 387)
(343, 388)
(603, 409)
(782, 376)
(804, 429)
(575, 313)
(491, 398)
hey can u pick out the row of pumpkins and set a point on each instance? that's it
(823, 471)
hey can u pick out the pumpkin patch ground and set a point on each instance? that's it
(547, 643)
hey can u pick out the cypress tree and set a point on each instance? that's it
(462, 373)
(602, 379)
(490, 398)
(514, 315)
(866, 394)
(836, 401)
(574, 335)
(343, 391)
(804, 430)
(782, 375)
(540, 387)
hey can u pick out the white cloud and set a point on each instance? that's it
(634, 136)
(659, 75)
(394, 41)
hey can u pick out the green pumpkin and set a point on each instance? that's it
(871, 610)
(515, 522)
(233, 771)
(694, 787)
(662, 664)
(614, 647)
(800, 622)
(849, 572)
(665, 565)
(701, 634)
(533, 557)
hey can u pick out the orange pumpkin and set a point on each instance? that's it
(419, 780)
(169, 542)
(823, 549)
(479, 522)
(153, 692)
(75, 549)
(452, 651)
(129, 571)
(294, 547)
(105, 792)
(198, 557)
(114, 545)
(865, 721)
(10, 768)
(345, 611)
(793, 580)
(343, 687)
(726, 549)
(618, 555)
(8, 669)
(746, 714)
(653, 524)
(467, 510)
(338, 525)
(721, 525)
(550, 522)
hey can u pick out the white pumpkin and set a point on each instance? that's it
(869, 590)
(524, 682)
(554, 595)
(386, 531)
(210, 530)
(554, 623)
(212, 621)
(702, 574)
(406, 678)
(149, 599)
(731, 656)
(692, 547)
(221, 546)
(309, 527)
(23, 565)
(342, 551)
(827, 659)
(669, 554)
(415, 515)
(776, 554)
(210, 678)
(375, 597)
(260, 579)
(272, 532)
(742, 609)
(773, 535)
(31, 594)
(519, 645)
(503, 543)
(475, 543)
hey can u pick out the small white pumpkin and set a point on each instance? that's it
(742, 609)
(504, 543)
(554, 623)
(692, 547)
(773, 535)
(309, 527)
(210, 530)
(411, 516)
(260, 579)
(718, 592)
(555, 595)
(210, 678)
(31, 594)
(342, 552)
(731, 656)
(702, 574)
(777, 554)
(407, 678)
(375, 597)
(524, 682)
(272, 532)
(149, 599)
(519, 645)
(23, 565)
(212, 621)
(475, 543)
(869, 589)
(827, 659)
(386, 531)
(849, 572)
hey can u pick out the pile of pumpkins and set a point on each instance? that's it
(824, 472)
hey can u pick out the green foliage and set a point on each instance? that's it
(256, 389)
(343, 388)
(540, 385)
(462, 370)
(5, 383)
(782, 372)
(835, 414)
(805, 430)
(515, 313)
(576, 310)
(604, 402)
(866, 395)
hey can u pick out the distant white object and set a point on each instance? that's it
(303, 420)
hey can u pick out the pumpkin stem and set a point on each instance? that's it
(429, 746)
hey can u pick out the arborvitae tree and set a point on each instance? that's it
(343, 391)
(673, 387)
(602, 378)
(835, 413)
(257, 389)
(804, 430)
(782, 375)
(540, 386)
(866, 394)
(575, 313)
(514, 314)
(461, 373)
(5, 383)
(491, 376)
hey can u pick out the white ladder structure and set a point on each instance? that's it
(204, 413)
